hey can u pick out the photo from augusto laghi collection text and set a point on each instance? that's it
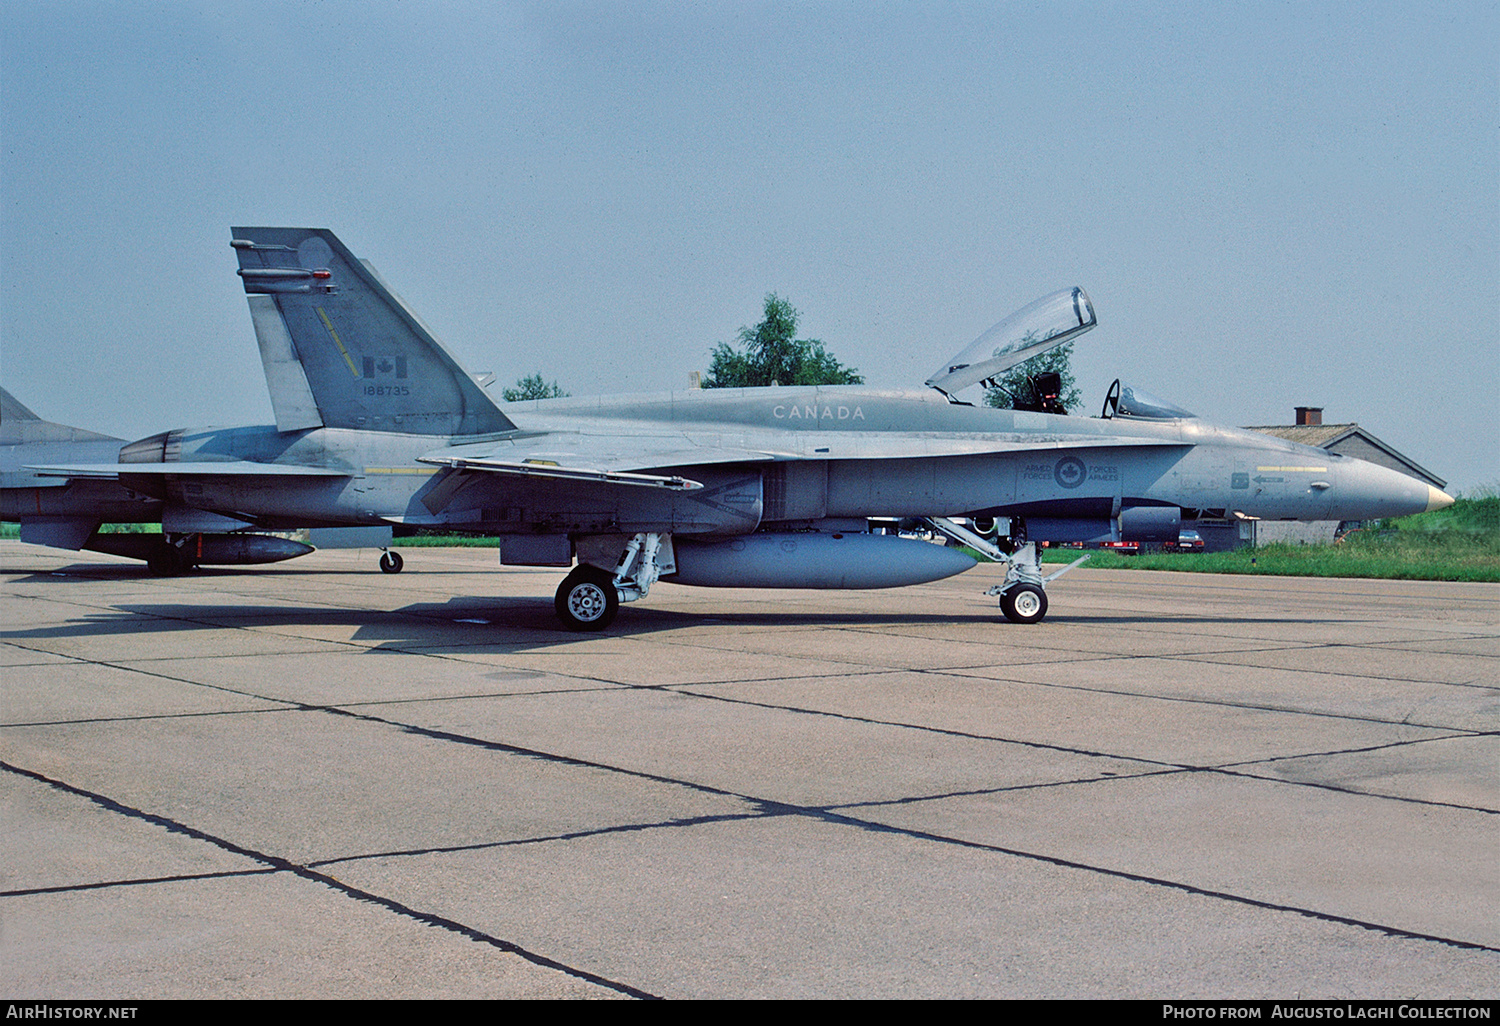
(1262, 1010)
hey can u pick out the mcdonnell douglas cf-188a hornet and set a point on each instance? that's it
(377, 423)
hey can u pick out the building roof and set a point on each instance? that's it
(1320, 435)
(1350, 439)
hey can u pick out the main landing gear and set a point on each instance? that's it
(168, 560)
(391, 562)
(587, 599)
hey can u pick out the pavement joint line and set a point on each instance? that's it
(1227, 769)
(923, 727)
(1432, 802)
(572, 835)
(1187, 657)
(826, 813)
(1393, 931)
(288, 705)
(1167, 767)
(1090, 657)
(1102, 778)
(1229, 772)
(80, 660)
(959, 672)
(145, 881)
(1198, 657)
(770, 809)
(286, 865)
(1427, 638)
(873, 671)
(1039, 744)
(1459, 736)
(1250, 706)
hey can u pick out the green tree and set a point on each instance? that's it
(1015, 387)
(771, 354)
(532, 387)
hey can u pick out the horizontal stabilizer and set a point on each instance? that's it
(58, 532)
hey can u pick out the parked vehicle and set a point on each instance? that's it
(1187, 541)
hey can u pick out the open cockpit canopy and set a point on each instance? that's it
(1030, 331)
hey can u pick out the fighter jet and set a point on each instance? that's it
(66, 512)
(802, 487)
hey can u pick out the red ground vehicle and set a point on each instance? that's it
(1187, 541)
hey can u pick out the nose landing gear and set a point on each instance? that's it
(1023, 594)
(1024, 603)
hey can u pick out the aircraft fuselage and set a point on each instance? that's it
(828, 453)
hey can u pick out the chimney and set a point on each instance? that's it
(1309, 416)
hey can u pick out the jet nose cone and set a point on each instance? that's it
(1369, 491)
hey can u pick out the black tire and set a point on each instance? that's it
(587, 599)
(167, 561)
(1025, 603)
(391, 563)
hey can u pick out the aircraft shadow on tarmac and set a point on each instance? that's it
(476, 621)
(471, 623)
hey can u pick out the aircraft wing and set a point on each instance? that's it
(617, 461)
(627, 460)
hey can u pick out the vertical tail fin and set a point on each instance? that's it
(341, 350)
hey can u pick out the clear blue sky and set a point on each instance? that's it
(1271, 204)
